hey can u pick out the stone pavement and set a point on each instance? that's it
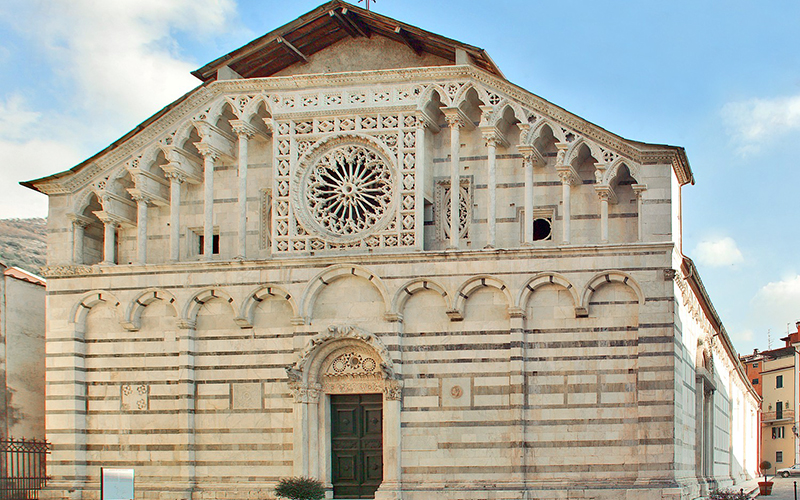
(783, 489)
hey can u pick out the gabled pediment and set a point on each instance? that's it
(337, 36)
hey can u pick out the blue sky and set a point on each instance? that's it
(720, 78)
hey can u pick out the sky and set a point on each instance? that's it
(720, 78)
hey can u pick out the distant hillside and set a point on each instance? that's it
(23, 243)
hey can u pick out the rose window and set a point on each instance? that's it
(348, 190)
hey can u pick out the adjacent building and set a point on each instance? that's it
(22, 351)
(774, 375)
(357, 252)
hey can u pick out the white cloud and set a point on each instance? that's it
(756, 122)
(15, 120)
(718, 253)
(778, 303)
(121, 55)
(111, 65)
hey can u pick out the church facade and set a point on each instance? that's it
(356, 252)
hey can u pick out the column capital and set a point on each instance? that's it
(425, 121)
(568, 176)
(492, 136)
(605, 193)
(140, 196)
(174, 174)
(456, 118)
(244, 130)
(639, 189)
(208, 151)
(79, 220)
(530, 156)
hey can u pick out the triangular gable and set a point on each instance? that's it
(296, 43)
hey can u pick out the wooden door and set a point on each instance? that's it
(356, 444)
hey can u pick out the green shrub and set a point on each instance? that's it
(300, 488)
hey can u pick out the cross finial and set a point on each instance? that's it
(367, 2)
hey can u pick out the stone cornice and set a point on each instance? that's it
(406, 257)
(201, 97)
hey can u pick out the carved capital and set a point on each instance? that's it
(670, 274)
(456, 118)
(243, 129)
(393, 390)
(605, 193)
(174, 175)
(79, 220)
(208, 151)
(568, 176)
(493, 137)
(140, 196)
(186, 324)
(639, 190)
(530, 156)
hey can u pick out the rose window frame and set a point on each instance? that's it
(328, 183)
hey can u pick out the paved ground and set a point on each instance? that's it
(783, 489)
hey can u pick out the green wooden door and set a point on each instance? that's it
(356, 444)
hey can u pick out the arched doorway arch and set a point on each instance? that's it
(343, 360)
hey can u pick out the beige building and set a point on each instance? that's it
(779, 424)
(22, 299)
(357, 252)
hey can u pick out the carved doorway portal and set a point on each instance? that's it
(356, 444)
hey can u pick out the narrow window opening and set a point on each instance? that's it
(214, 244)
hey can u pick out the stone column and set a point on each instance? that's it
(603, 195)
(527, 165)
(392, 406)
(454, 121)
(639, 189)
(419, 188)
(491, 217)
(305, 406)
(568, 178)
(186, 403)
(210, 155)
(110, 225)
(79, 224)
(141, 200)
(175, 180)
(244, 132)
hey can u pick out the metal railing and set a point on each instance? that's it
(23, 470)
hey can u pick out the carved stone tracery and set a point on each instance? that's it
(343, 360)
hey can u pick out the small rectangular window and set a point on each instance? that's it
(755, 381)
(777, 432)
(755, 365)
(779, 456)
(778, 410)
(214, 244)
(779, 381)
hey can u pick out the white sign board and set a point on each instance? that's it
(116, 484)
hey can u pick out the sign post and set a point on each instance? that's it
(116, 484)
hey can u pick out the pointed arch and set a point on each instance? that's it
(333, 273)
(426, 96)
(133, 315)
(605, 277)
(245, 319)
(500, 110)
(612, 172)
(470, 286)
(536, 132)
(541, 280)
(575, 148)
(192, 306)
(89, 300)
(461, 95)
(414, 286)
(183, 133)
